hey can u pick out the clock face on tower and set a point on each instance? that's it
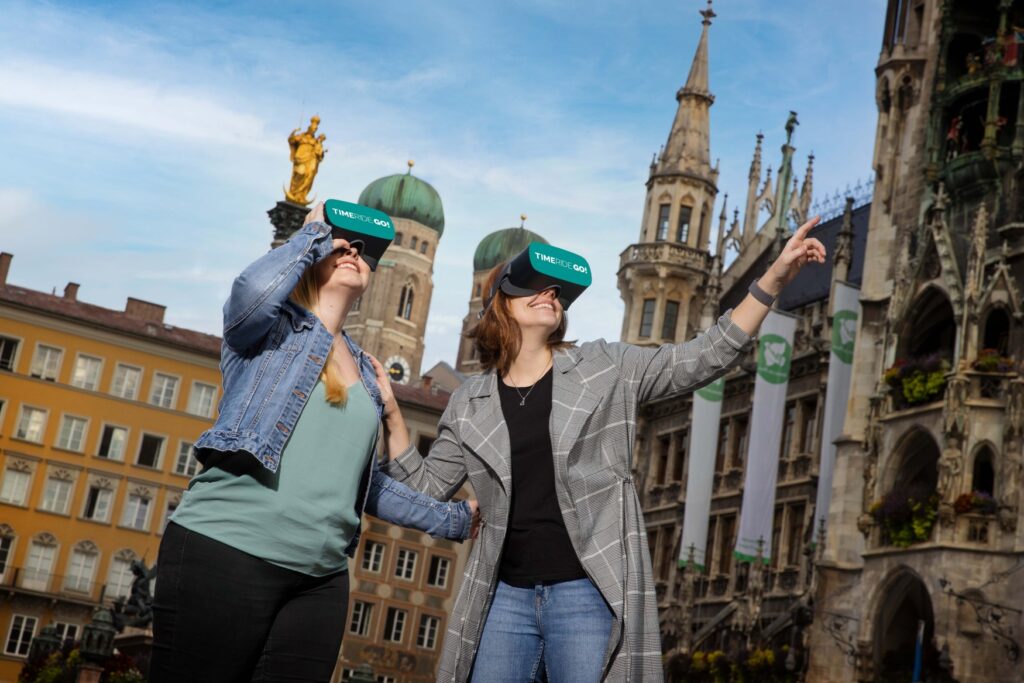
(398, 369)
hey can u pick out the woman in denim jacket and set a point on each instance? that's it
(252, 580)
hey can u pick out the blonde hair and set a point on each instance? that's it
(306, 294)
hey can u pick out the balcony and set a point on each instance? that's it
(71, 588)
(652, 254)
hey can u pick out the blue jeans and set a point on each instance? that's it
(563, 626)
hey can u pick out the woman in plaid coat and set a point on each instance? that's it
(587, 610)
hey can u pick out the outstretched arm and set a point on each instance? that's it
(395, 502)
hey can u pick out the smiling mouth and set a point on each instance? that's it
(347, 265)
(544, 305)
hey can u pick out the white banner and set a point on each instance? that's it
(707, 411)
(774, 355)
(845, 309)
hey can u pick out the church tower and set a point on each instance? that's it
(660, 276)
(390, 319)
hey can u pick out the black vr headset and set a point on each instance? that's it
(538, 267)
(368, 230)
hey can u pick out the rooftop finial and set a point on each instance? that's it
(708, 14)
(411, 163)
(522, 219)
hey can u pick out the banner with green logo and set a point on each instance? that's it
(774, 355)
(707, 411)
(845, 308)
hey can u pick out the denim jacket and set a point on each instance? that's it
(271, 358)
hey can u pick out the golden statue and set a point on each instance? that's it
(307, 151)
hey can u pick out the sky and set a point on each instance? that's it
(141, 144)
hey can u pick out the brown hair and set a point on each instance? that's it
(306, 294)
(497, 335)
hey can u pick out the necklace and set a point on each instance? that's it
(522, 397)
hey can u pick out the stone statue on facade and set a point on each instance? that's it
(307, 151)
(950, 466)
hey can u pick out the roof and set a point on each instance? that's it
(405, 196)
(813, 282)
(501, 245)
(109, 319)
(426, 398)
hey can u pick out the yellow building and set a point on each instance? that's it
(98, 411)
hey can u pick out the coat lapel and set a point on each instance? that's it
(572, 403)
(484, 430)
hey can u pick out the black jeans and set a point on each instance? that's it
(222, 615)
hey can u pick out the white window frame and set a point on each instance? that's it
(17, 351)
(79, 357)
(167, 509)
(191, 464)
(138, 384)
(70, 483)
(38, 578)
(24, 493)
(431, 635)
(4, 401)
(42, 429)
(116, 581)
(60, 433)
(112, 495)
(174, 393)
(99, 441)
(43, 374)
(446, 572)
(22, 644)
(63, 627)
(397, 624)
(376, 558)
(160, 454)
(403, 569)
(8, 559)
(125, 509)
(74, 581)
(193, 408)
(362, 618)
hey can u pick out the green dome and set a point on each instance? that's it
(405, 196)
(501, 245)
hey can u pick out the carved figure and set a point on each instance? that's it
(307, 151)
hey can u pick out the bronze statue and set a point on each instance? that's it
(307, 151)
(137, 610)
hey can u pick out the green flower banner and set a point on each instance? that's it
(845, 307)
(707, 411)
(774, 355)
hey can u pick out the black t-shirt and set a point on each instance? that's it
(537, 546)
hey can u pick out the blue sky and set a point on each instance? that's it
(143, 143)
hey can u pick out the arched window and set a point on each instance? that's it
(405, 302)
(7, 537)
(476, 291)
(683, 224)
(983, 479)
(38, 570)
(82, 567)
(997, 331)
(423, 247)
(413, 242)
(398, 239)
(930, 328)
(119, 577)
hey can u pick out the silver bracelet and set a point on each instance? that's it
(761, 295)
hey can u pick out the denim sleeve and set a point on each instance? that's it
(397, 503)
(258, 293)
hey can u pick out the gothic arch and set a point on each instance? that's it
(930, 324)
(901, 599)
(983, 467)
(995, 331)
(914, 462)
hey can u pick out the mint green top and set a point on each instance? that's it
(303, 516)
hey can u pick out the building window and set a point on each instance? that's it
(709, 546)
(8, 353)
(438, 576)
(86, 374)
(476, 291)
(150, 450)
(398, 239)
(170, 505)
(776, 548)
(120, 577)
(413, 242)
(394, 625)
(360, 623)
(742, 436)
(164, 389)
(808, 424)
(423, 247)
(126, 381)
(787, 431)
(723, 445)
(679, 463)
(373, 555)
(6, 545)
(23, 629)
(136, 512)
(46, 364)
(983, 474)
(38, 566)
(405, 303)
(112, 442)
(72, 433)
(727, 537)
(57, 495)
(668, 325)
(663, 212)
(31, 424)
(202, 400)
(385, 679)
(795, 535)
(66, 631)
(427, 637)
(683, 225)
(356, 305)
(186, 463)
(659, 461)
(647, 318)
(15, 488)
(97, 503)
(81, 569)
(405, 567)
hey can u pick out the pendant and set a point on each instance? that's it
(522, 402)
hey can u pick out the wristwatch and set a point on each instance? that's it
(761, 295)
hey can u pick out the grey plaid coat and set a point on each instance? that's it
(596, 391)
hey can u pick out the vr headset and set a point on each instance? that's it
(367, 230)
(541, 266)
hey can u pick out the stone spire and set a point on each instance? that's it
(753, 184)
(688, 149)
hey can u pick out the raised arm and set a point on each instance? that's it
(259, 292)
(395, 502)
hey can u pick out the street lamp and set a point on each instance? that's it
(98, 636)
(45, 644)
